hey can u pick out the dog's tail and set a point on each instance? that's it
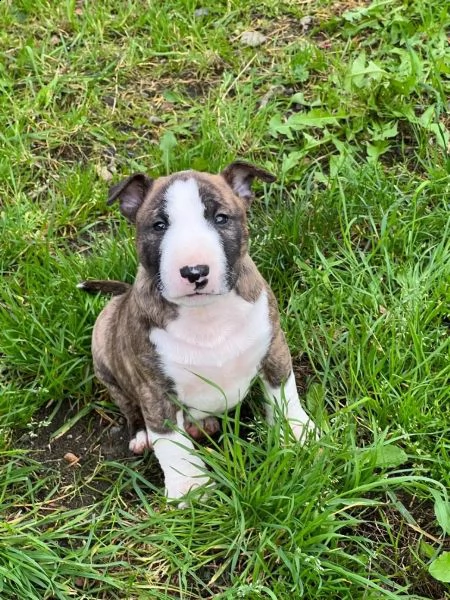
(104, 286)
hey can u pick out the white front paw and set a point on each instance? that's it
(305, 430)
(179, 486)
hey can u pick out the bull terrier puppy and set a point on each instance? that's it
(185, 341)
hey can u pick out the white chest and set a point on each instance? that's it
(213, 352)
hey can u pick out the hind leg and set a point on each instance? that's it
(139, 440)
(102, 342)
(202, 428)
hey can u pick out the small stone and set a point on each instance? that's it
(116, 431)
(306, 23)
(109, 100)
(71, 458)
(201, 12)
(104, 173)
(252, 38)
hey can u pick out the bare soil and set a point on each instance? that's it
(382, 524)
(75, 455)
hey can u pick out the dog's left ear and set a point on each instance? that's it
(131, 193)
(240, 175)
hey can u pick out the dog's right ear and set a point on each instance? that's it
(131, 193)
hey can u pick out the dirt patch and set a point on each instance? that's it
(399, 559)
(73, 448)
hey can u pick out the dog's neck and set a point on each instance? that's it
(250, 283)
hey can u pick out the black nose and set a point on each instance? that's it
(193, 274)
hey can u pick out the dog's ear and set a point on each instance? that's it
(131, 193)
(240, 175)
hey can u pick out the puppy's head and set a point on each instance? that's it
(191, 228)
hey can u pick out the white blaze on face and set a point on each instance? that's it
(189, 241)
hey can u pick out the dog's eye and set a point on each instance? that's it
(221, 219)
(160, 226)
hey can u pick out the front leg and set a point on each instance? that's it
(281, 390)
(183, 470)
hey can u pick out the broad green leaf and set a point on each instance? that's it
(357, 69)
(361, 75)
(291, 160)
(299, 98)
(314, 118)
(276, 126)
(426, 549)
(428, 120)
(406, 112)
(170, 96)
(354, 15)
(300, 73)
(440, 567)
(315, 401)
(390, 456)
(367, 75)
(383, 131)
(167, 142)
(374, 151)
(442, 511)
(428, 117)
(442, 134)
(409, 73)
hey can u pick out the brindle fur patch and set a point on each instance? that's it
(277, 364)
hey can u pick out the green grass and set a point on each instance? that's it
(349, 110)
